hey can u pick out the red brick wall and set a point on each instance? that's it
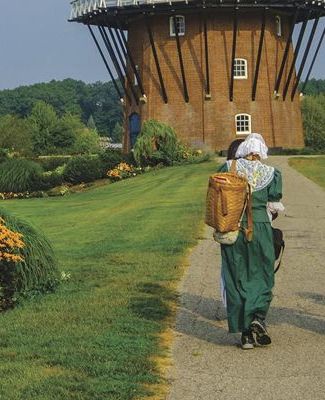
(211, 123)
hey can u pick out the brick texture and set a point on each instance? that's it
(211, 123)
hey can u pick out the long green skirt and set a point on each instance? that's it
(248, 273)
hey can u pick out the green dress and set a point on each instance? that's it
(248, 267)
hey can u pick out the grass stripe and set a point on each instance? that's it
(312, 167)
(124, 244)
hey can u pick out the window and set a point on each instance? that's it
(278, 26)
(180, 24)
(243, 124)
(240, 68)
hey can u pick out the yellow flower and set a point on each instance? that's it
(10, 243)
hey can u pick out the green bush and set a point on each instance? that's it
(50, 163)
(129, 158)
(37, 273)
(20, 175)
(109, 159)
(156, 144)
(313, 112)
(83, 169)
(3, 155)
(52, 179)
(294, 152)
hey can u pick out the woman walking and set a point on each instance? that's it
(248, 267)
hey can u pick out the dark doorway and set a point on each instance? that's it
(134, 128)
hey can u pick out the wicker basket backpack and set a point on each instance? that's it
(228, 197)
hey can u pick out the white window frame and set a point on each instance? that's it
(239, 63)
(278, 25)
(248, 121)
(181, 30)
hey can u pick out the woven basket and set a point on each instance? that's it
(226, 200)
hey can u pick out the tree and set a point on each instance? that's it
(87, 142)
(314, 87)
(91, 123)
(15, 134)
(68, 96)
(65, 132)
(44, 121)
(117, 133)
(313, 112)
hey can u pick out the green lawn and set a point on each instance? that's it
(313, 168)
(124, 244)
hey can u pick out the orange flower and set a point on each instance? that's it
(10, 243)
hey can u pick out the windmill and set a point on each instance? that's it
(213, 70)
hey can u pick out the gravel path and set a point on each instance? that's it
(208, 364)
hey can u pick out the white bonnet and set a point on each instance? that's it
(253, 144)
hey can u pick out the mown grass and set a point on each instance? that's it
(313, 168)
(97, 336)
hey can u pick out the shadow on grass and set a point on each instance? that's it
(153, 304)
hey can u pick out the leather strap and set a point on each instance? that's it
(249, 213)
(233, 168)
(280, 258)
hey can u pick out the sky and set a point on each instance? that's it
(38, 44)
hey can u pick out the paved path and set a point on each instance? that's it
(208, 364)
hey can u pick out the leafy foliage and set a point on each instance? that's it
(50, 163)
(157, 143)
(3, 155)
(315, 87)
(65, 133)
(83, 169)
(117, 133)
(68, 96)
(110, 158)
(87, 142)
(39, 270)
(44, 121)
(15, 134)
(313, 111)
(20, 175)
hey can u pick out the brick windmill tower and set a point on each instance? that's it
(214, 70)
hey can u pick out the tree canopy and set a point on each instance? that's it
(314, 87)
(97, 100)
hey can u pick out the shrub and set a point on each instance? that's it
(83, 169)
(3, 155)
(128, 158)
(294, 152)
(20, 175)
(37, 272)
(157, 143)
(52, 179)
(313, 112)
(109, 159)
(50, 163)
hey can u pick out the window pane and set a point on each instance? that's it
(180, 25)
(243, 123)
(240, 68)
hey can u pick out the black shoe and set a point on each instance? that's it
(262, 337)
(247, 340)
